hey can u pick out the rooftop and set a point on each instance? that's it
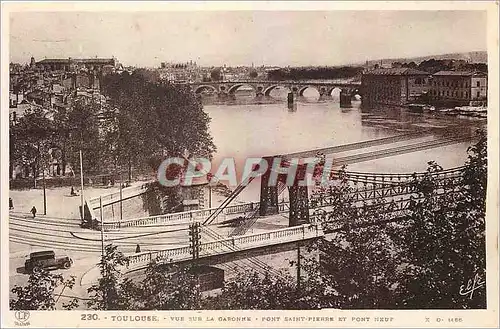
(396, 71)
(76, 60)
(458, 73)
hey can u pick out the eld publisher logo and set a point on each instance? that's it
(22, 318)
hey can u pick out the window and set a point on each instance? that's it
(478, 93)
(478, 84)
(461, 94)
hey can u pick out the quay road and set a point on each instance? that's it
(66, 235)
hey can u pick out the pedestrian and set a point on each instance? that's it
(33, 211)
(72, 191)
(11, 204)
(138, 248)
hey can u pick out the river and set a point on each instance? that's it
(241, 129)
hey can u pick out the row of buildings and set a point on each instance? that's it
(400, 86)
(192, 72)
(53, 85)
(49, 81)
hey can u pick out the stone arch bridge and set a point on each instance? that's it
(264, 88)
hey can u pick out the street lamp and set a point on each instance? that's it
(82, 213)
(121, 198)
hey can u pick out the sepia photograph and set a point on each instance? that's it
(254, 166)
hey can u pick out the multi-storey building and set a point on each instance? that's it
(176, 72)
(458, 88)
(72, 64)
(393, 86)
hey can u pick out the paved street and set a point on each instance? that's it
(60, 231)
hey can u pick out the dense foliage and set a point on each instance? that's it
(424, 259)
(154, 120)
(39, 293)
(314, 73)
(136, 123)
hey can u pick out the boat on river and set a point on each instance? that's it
(449, 111)
(420, 108)
(472, 111)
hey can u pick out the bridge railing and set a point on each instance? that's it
(199, 215)
(229, 245)
(180, 217)
(334, 82)
(398, 178)
(115, 196)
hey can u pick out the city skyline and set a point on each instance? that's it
(240, 38)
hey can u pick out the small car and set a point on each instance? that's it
(46, 260)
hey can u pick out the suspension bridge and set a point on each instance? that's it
(395, 189)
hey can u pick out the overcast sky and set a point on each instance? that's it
(245, 37)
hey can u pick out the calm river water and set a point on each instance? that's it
(244, 130)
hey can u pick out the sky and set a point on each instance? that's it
(215, 38)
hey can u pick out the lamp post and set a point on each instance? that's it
(102, 228)
(44, 194)
(81, 181)
(121, 198)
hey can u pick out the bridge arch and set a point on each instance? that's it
(267, 91)
(356, 93)
(201, 88)
(304, 88)
(330, 90)
(232, 89)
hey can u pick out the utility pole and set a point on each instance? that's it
(209, 196)
(121, 198)
(81, 181)
(102, 228)
(102, 251)
(298, 265)
(194, 239)
(44, 194)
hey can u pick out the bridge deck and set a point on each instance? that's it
(229, 245)
(112, 198)
(356, 146)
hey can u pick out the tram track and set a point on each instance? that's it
(356, 158)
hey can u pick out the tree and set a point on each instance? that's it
(358, 260)
(443, 241)
(155, 120)
(253, 74)
(422, 260)
(168, 287)
(83, 131)
(112, 291)
(39, 293)
(30, 139)
(216, 74)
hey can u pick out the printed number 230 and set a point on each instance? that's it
(90, 317)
